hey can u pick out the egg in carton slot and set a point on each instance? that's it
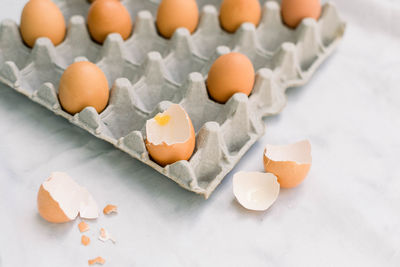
(147, 73)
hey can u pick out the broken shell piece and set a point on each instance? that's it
(105, 236)
(110, 209)
(60, 199)
(290, 163)
(85, 240)
(83, 227)
(170, 136)
(98, 260)
(255, 190)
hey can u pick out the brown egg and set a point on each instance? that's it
(231, 73)
(83, 84)
(108, 16)
(235, 12)
(170, 136)
(294, 11)
(173, 14)
(42, 18)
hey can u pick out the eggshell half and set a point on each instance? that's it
(173, 141)
(255, 190)
(60, 199)
(294, 11)
(290, 163)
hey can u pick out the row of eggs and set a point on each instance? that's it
(42, 18)
(84, 84)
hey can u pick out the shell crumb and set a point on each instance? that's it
(85, 240)
(105, 236)
(98, 260)
(83, 227)
(110, 209)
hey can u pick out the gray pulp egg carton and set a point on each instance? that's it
(147, 73)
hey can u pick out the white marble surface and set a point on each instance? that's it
(347, 213)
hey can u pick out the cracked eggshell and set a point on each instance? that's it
(170, 136)
(60, 199)
(255, 190)
(290, 163)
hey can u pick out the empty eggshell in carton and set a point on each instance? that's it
(60, 199)
(148, 71)
(170, 136)
(255, 190)
(290, 163)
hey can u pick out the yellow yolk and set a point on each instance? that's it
(162, 120)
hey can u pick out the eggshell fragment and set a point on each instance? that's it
(105, 236)
(172, 141)
(85, 240)
(229, 74)
(110, 209)
(108, 16)
(290, 163)
(42, 18)
(294, 11)
(255, 190)
(98, 260)
(83, 227)
(60, 199)
(174, 14)
(234, 13)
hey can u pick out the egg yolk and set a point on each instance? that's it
(162, 120)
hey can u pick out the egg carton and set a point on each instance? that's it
(147, 73)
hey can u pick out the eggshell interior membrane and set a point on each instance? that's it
(255, 190)
(88, 206)
(177, 130)
(60, 195)
(65, 191)
(290, 163)
(299, 152)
